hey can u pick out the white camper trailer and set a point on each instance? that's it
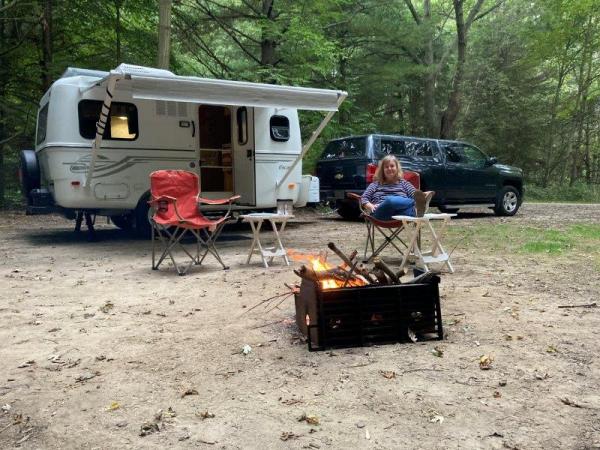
(100, 135)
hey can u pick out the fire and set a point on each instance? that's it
(319, 265)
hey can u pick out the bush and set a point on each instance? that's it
(579, 192)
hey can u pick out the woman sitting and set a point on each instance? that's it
(390, 195)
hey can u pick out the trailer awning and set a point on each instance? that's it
(158, 84)
(155, 84)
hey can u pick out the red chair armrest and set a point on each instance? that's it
(219, 201)
(153, 201)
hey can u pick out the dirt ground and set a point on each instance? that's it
(95, 345)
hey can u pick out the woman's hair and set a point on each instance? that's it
(379, 174)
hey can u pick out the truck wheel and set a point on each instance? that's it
(143, 228)
(508, 201)
(30, 172)
(349, 211)
(123, 221)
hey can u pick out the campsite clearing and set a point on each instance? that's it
(99, 351)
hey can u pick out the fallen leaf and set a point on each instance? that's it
(205, 415)
(189, 392)
(113, 406)
(87, 376)
(148, 428)
(311, 420)
(287, 435)
(551, 349)
(107, 307)
(437, 419)
(485, 362)
(389, 374)
(437, 351)
(29, 363)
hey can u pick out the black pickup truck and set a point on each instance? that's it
(461, 175)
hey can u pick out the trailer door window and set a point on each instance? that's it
(122, 121)
(242, 124)
(280, 128)
(42, 124)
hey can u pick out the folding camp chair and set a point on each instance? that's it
(388, 229)
(175, 198)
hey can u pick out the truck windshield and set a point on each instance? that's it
(346, 148)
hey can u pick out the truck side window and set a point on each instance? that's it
(473, 157)
(422, 150)
(280, 128)
(393, 147)
(122, 123)
(452, 153)
(42, 124)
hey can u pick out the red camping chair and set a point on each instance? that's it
(388, 229)
(175, 198)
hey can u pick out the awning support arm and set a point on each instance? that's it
(312, 140)
(101, 125)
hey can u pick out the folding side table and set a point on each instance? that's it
(256, 221)
(436, 254)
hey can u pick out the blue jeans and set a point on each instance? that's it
(394, 205)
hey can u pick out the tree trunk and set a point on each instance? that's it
(267, 43)
(453, 108)
(46, 62)
(164, 33)
(430, 78)
(118, 4)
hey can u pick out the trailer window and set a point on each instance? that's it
(242, 125)
(122, 121)
(280, 128)
(42, 124)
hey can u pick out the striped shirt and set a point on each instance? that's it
(377, 192)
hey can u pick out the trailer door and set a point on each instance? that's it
(215, 151)
(243, 154)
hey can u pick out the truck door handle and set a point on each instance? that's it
(193, 128)
(249, 154)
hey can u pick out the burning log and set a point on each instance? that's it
(379, 264)
(341, 254)
(321, 275)
(363, 271)
(381, 278)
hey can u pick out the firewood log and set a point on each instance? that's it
(380, 264)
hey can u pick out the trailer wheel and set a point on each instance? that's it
(143, 228)
(29, 171)
(123, 221)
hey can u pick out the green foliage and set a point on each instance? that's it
(579, 192)
(549, 241)
(529, 96)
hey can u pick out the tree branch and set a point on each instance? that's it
(413, 11)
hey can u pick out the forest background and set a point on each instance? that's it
(519, 79)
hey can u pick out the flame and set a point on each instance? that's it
(318, 262)
(319, 265)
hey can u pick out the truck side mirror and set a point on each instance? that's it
(491, 161)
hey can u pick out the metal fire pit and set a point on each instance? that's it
(368, 315)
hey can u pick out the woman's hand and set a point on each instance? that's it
(370, 207)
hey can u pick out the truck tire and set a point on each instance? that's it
(143, 228)
(349, 211)
(123, 221)
(508, 201)
(30, 172)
